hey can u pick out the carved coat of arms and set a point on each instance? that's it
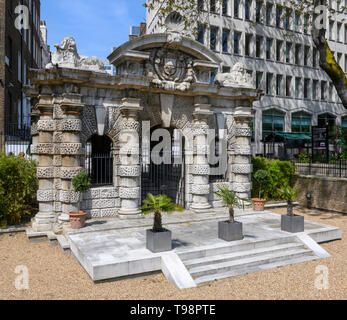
(170, 69)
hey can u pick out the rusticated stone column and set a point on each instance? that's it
(70, 151)
(43, 146)
(200, 169)
(129, 160)
(242, 162)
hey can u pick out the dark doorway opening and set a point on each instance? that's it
(165, 178)
(99, 161)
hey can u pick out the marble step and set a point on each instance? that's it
(261, 267)
(193, 263)
(237, 246)
(248, 262)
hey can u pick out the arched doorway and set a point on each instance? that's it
(99, 160)
(164, 172)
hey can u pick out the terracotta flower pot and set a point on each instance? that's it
(258, 204)
(77, 219)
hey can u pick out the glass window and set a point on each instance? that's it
(314, 58)
(279, 44)
(236, 8)
(273, 121)
(288, 86)
(201, 34)
(226, 34)
(258, 7)
(213, 38)
(305, 24)
(323, 87)
(301, 122)
(288, 49)
(314, 89)
(329, 120)
(344, 122)
(269, 83)
(278, 16)
(297, 53)
(259, 77)
(268, 48)
(297, 21)
(278, 84)
(306, 88)
(213, 6)
(306, 55)
(268, 13)
(200, 5)
(248, 44)
(258, 46)
(225, 7)
(297, 87)
(287, 19)
(248, 4)
(237, 37)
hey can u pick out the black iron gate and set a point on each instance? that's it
(168, 179)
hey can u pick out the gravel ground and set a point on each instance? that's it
(55, 276)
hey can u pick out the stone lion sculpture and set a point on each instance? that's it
(67, 56)
(236, 78)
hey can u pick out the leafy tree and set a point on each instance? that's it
(262, 176)
(289, 194)
(195, 12)
(158, 205)
(81, 182)
(231, 199)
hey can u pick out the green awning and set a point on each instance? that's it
(289, 136)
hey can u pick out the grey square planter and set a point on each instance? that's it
(159, 241)
(292, 224)
(230, 231)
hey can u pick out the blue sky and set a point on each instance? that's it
(96, 25)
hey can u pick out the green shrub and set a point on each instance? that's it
(18, 187)
(281, 175)
(81, 182)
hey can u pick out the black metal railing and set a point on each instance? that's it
(100, 169)
(15, 140)
(337, 169)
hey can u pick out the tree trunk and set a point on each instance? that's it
(157, 222)
(290, 209)
(231, 215)
(328, 63)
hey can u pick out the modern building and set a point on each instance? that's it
(275, 45)
(20, 50)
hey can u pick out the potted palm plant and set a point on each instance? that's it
(81, 184)
(230, 230)
(291, 222)
(261, 176)
(158, 239)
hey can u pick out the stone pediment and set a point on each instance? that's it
(170, 61)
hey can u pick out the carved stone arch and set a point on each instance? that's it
(89, 124)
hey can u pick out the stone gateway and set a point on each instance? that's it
(83, 118)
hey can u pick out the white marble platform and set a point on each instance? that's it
(112, 249)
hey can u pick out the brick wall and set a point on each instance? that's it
(327, 193)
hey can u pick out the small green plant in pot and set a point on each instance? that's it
(262, 177)
(291, 222)
(81, 184)
(159, 239)
(230, 230)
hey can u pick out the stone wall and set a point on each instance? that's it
(327, 193)
(101, 202)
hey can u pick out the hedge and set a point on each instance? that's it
(18, 188)
(281, 176)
